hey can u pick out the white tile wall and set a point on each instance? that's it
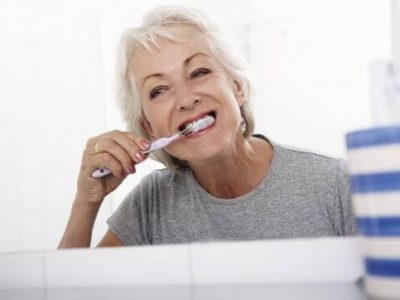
(395, 6)
(51, 101)
(10, 231)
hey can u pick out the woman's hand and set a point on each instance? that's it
(115, 150)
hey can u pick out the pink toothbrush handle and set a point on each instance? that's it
(156, 145)
(101, 173)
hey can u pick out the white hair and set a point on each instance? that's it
(159, 24)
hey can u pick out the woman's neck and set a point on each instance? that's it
(237, 172)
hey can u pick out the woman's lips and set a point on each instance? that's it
(183, 125)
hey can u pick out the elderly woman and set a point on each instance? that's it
(220, 183)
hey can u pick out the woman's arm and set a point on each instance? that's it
(80, 225)
(78, 232)
(115, 150)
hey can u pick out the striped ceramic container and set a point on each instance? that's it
(374, 165)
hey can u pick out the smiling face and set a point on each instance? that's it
(181, 83)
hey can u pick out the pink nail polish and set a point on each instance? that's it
(145, 144)
(139, 157)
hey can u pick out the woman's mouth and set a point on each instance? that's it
(199, 124)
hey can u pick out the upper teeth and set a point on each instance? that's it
(199, 124)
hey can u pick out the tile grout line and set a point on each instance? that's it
(45, 274)
(191, 272)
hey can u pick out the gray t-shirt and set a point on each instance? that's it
(304, 194)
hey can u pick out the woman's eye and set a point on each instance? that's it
(157, 91)
(199, 72)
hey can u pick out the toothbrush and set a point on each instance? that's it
(165, 141)
(156, 145)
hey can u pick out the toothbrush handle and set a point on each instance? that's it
(101, 173)
(156, 145)
(162, 142)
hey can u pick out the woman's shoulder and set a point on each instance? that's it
(295, 153)
(294, 159)
(306, 155)
(311, 162)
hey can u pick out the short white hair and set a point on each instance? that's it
(159, 23)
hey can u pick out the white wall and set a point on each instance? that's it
(52, 99)
(312, 74)
(395, 10)
(309, 60)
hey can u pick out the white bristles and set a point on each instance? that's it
(198, 125)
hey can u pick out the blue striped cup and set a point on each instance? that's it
(374, 166)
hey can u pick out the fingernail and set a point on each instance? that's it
(139, 156)
(145, 144)
(132, 169)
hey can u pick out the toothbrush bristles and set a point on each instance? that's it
(197, 126)
(187, 131)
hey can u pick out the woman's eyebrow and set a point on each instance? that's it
(185, 63)
(187, 60)
(158, 75)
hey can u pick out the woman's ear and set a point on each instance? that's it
(238, 90)
(147, 126)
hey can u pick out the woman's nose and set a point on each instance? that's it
(189, 104)
(187, 100)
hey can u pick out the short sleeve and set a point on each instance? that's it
(344, 216)
(130, 222)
